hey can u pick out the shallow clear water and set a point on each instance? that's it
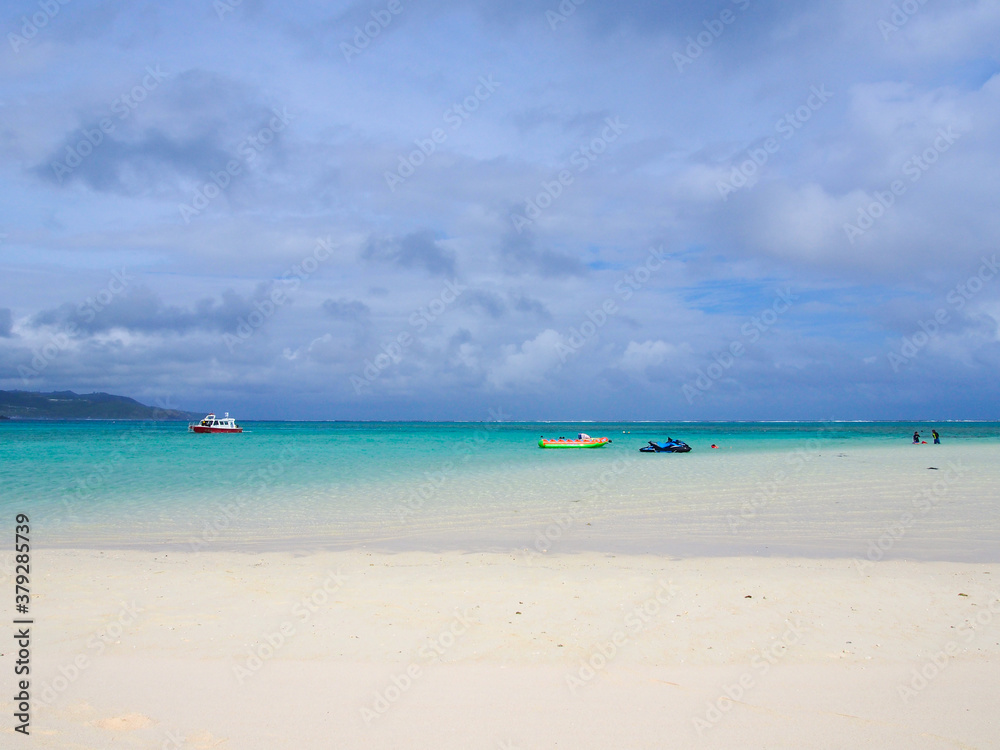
(770, 488)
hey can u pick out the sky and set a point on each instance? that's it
(433, 210)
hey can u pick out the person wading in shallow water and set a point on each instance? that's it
(916, 438)
(937, 438)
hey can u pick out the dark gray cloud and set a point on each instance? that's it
(154, 160)
(140, 309)
(354, 311)
(490, 303)
(525, 304)
(520, 255)
(415, 250)
(150, 150)
(6, 322)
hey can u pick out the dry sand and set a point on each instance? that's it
(418, 650)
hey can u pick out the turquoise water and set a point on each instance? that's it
(304, 485)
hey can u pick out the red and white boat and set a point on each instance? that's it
(212, 423)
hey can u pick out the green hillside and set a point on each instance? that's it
(69, 405)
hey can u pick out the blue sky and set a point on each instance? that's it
(402, 210)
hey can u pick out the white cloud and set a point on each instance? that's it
(527, 364)
(638, 357)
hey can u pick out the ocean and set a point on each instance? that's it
(853, 490)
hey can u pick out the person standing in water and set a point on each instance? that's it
(937, 438)
(916, 438)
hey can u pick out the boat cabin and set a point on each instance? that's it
(212, 423)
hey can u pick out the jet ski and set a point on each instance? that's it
(668, 446)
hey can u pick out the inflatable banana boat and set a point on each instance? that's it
(582, 441)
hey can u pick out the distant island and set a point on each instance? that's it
(16, 405)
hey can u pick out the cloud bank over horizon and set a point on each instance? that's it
(567, 210)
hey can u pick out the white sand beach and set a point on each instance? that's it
(355, 649)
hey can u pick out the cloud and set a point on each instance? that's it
(525, 304)
(152, 160)
(145, 148)
(354, 311)
(527, 364)
(688, 129)
(490, 303)
(638, 357)
(414, 250)
(140, 309)
(519, 256)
